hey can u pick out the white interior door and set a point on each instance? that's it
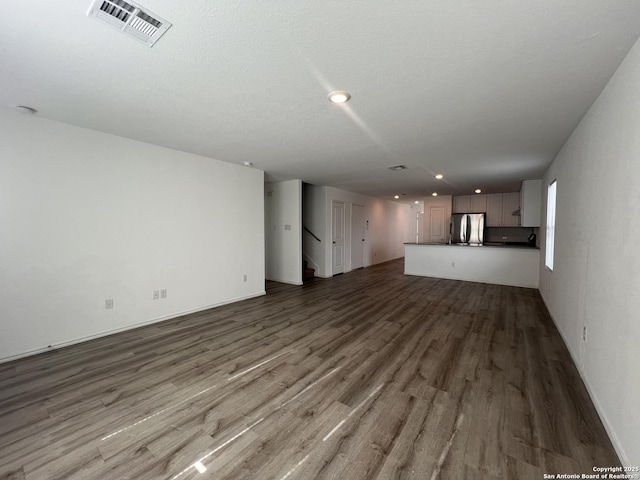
(437, 224)
(357, 236)
(338, 237)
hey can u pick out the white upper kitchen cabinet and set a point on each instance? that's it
(500, 208)
(494, 210)
(510, 209)
(478, 203)
(462, 204)
(530, 203)
(469, 203)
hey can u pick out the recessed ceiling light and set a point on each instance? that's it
(248, 164)
(416, 202)
(478, 190)
(339, 96)
(439, 176)
(434, 194)
(397, 168)
(396, 196)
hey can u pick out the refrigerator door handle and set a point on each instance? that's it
(465, 229)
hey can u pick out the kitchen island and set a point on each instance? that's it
(503, 265)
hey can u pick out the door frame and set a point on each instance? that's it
(333, 248)
(356, 237)
(442, 224)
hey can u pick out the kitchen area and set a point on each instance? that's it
(488, 238)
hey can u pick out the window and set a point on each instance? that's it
(551, 225)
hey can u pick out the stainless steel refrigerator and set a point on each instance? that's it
(467, 228)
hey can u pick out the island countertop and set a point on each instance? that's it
(486, 245)
(513, 265)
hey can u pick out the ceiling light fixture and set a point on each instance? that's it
(434, 194)
(477, 190)
(397, 168)
(248, 164)
(339, 96)
(396, 196)
(417, 202)
(439, 176)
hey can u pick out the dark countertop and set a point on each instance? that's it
(486, 245)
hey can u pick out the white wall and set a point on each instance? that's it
(596, 277)
(283, 231)
(86, 216)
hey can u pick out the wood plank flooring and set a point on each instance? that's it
(369, 375)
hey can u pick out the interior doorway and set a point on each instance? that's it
(438, 225)
(357, 236)
(337, 222)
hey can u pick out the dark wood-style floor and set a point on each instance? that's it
(371, 374)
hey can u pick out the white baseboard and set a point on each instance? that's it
(594, 398)
(288, 282)
(124, 329)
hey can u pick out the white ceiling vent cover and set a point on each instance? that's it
(131, 19)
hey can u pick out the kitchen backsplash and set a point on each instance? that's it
(509, 234)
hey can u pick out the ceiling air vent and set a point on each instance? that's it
(131, 19)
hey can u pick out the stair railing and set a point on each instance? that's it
(311, 233)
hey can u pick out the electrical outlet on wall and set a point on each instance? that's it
(163, 293)
(108, 303)
(584, 333)
(156, 294)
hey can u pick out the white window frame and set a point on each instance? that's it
(552, 196)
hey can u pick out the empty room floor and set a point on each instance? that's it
(371, 374)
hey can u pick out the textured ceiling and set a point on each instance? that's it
(484, 92)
